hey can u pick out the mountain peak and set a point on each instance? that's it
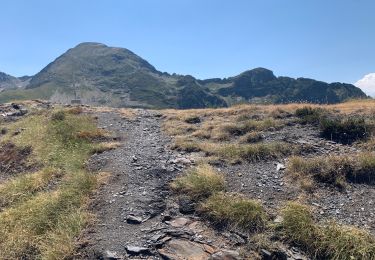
(90, 44)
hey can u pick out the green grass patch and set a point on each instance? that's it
(38, 222)
(23, 187)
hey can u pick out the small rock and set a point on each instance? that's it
(109, 255)
(278, 219)
(225, 255)
(266, 255)
(179, 222)
(130, 219)
(186, 206)
(136, 250)
(280, 167)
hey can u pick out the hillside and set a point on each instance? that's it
(102, 75)
(260, 182)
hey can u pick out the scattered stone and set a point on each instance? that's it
(179, 222)
(183, 249)
(266, 255)
(280, 167)
(130, 219)
(109, 255)
(225, 255)
(137, 250)
(186, 206)
(278, 219)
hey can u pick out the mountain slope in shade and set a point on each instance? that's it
(102, 75)
(262, 84)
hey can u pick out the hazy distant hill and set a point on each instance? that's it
(102, 75)
(10, 82)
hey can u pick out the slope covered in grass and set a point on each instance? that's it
(42, 212)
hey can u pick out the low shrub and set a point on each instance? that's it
(192, 120)
(58, 116)
(344, 131)
(309, 115)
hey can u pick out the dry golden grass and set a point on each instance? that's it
(93, 134)
(128, 113)
(199, 183)
(325, 241)
(362, 106)
(335, 170)
(102, 147)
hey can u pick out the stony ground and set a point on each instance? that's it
(262, 180)
(138, 217)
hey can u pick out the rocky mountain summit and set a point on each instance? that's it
(100, 75)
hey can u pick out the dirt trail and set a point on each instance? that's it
(135, 218)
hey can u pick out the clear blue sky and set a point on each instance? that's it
(331, 40)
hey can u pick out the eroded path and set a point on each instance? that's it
(135, 216)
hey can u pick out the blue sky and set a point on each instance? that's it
(330, 40)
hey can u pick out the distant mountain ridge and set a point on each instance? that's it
(10, 82)
(102, 75)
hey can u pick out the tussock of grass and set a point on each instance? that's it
(298, 227)
(242, 128)
(336, 170)
(199, 183)
(331, 241)
(226, 209)
(186, 144)
(252, 137)
(331, 170)
(236, 152)
(253, 152)
(97, 134)
(75, 110)
(102, 147)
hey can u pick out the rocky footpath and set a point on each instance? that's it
(137, 216)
